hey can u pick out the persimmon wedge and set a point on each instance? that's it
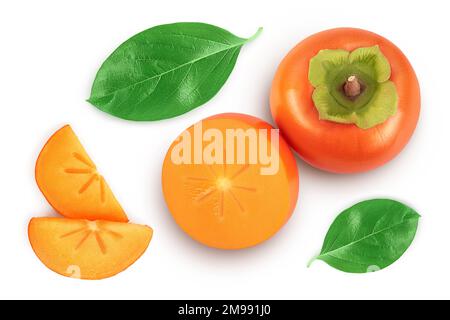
(84, 249)
(229, 201)
(71, 183)
(347, 100)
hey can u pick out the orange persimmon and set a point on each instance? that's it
(90, 250)
(230, 201)
(71, 183)
(307, 111)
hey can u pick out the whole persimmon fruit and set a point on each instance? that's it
(347, 100)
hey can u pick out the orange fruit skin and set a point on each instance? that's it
(70, 182)
(85, 249)
(330, 146)
(250, 210)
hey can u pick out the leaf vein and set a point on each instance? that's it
(362, 239)
(174, 69)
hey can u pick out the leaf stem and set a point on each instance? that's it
(312, 260)
(256, 35)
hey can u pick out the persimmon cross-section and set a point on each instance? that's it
(92, 228)
(228, 203)
(91, 172)
(223, 184)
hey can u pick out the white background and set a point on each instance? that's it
(49, 54)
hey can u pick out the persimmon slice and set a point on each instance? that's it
(229, 205)
(87, 249)
(71, 183)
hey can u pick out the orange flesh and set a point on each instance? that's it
(71, 183)
(230, 206)
(85, 249)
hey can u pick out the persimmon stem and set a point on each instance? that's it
(352, 87)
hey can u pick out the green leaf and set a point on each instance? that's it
(371, 59)
(323, 62)
(369, 236)
(166, 71)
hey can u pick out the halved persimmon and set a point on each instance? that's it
(70, 182)
(230, 181)
(84, 249)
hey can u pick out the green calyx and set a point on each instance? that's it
(353, 87)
